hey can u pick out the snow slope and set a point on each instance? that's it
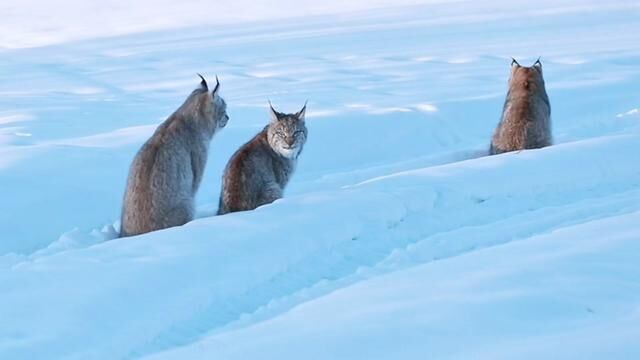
(206, 276)
(579, 300)
(397, 238)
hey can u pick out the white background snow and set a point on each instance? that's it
(397, 239)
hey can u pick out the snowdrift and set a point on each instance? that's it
(163, 289)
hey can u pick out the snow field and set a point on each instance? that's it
(397, 238)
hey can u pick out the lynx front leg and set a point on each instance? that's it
(270, 194)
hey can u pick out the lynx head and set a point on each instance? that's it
(204, 111)
(214, 106)
(527, 79)
(287, 133)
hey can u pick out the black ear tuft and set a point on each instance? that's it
(300, 114)
(275, 116)
(538, 63)
(203, 83)
(217, 85)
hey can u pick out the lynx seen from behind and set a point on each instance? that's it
(166, 173)
(259, 171)
(526, 116)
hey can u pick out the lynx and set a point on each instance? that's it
(259, 171)
(526, 116)
(166, 173)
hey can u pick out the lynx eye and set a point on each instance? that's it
(279, 133)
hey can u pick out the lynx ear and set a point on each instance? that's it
(215, 90)
(538, 64)
(514, 62)
(273, 114)
(203, 83)
(300, 114)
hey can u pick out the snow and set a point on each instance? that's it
(397, 238)
(441, 310)
(31, 23)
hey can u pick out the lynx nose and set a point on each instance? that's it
(224, 121)
(290, 141)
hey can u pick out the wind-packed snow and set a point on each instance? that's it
(398, 237)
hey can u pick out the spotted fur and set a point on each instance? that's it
(259, 171)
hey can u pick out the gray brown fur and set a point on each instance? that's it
(526, 116)
(259, 171)
(166, 173)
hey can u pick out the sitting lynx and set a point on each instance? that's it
(259, 171)
(166, 172)
(526, 116)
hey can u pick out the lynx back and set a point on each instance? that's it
(526, 115)
(166, 173)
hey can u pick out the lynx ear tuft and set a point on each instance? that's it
(273, 114)
(215, 90)
(203, 83)
(300, 114)
(538, 64)
(514, 62)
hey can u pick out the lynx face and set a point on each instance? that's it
(287, 133)
(210, 105)
(219, 107)
(528, 79)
